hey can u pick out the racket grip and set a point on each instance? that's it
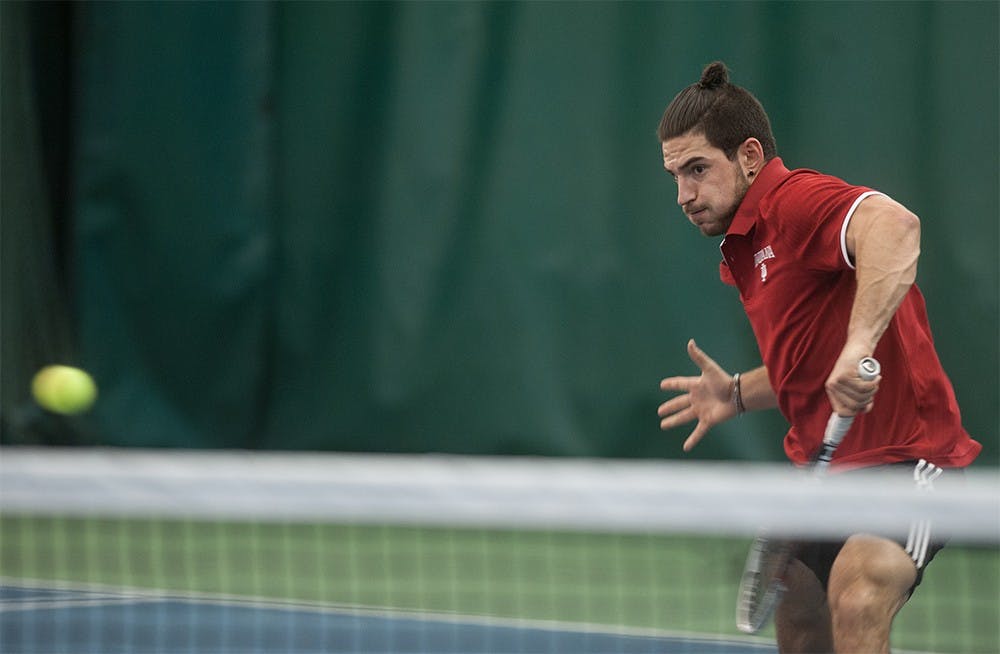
(836, 429)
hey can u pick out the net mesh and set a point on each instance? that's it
(125, 551)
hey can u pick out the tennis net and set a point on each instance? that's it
(194, 552)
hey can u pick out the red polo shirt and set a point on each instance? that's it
(785, 252)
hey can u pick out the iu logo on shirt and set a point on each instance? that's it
(759, 259)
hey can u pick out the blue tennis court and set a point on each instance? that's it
(38, 620)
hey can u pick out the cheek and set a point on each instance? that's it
(714, 192)
(741, 186)
(730, 190)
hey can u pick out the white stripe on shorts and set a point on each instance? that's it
(919, 538)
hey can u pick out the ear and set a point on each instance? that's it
(750, 156)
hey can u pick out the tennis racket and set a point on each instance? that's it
(762, 583)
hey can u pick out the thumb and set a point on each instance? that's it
(700, 359)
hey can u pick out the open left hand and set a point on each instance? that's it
(705, 399)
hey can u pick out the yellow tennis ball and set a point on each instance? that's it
(64, 389)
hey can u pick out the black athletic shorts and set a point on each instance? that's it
(920, 543)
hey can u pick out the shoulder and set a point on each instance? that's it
(800, 184)
(809, 192)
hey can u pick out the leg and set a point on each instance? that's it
(869, 582)
(802, 620)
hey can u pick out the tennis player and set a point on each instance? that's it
(825, 271)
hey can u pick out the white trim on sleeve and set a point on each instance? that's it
(847, 221)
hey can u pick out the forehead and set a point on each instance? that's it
(682, 149)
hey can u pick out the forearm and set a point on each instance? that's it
(755, 392)
(886, 248)
(883, 238)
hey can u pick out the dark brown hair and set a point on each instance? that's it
(725, 113)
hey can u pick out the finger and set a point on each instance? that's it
(841, 405)
(848, 407)
(850, 395)
(855, 383)
(854, 390)
(677, 383)
(679, 418)
(695, 437)
(673, 405)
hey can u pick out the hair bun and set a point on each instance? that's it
(715, 75)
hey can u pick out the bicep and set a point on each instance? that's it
(880, 219)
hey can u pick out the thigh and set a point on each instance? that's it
(879, 561)
(920, 545)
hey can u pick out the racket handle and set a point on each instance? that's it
(837, 426)
(869, 368)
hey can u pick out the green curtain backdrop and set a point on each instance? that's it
(445, 226)
(35, 323)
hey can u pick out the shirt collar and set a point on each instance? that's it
(746, 215)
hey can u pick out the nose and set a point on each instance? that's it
(685, 192)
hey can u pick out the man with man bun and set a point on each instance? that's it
(825, 271)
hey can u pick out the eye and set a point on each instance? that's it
(699, 169)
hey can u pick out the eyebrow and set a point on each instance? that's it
(691, 162)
